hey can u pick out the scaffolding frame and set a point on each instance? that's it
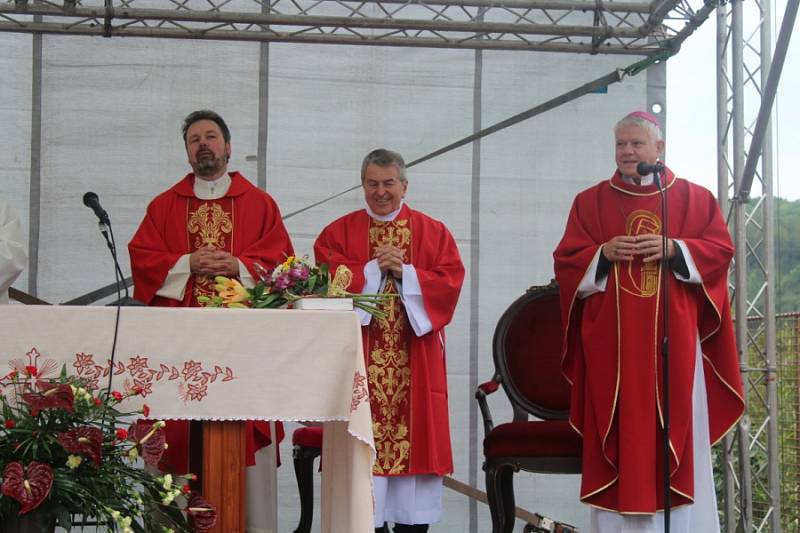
(653, 29)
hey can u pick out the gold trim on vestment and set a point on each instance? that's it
(619, 360)
(389, 364)
(651, 193)
(565, 343)
(601, 489)
(208, 226)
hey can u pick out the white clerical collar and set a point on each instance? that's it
(386, 218)
(645, 180)
(212, 190)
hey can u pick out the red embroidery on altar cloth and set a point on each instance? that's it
(140, 376)
(33, 368)
(360, 392)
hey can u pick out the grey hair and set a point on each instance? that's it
(384, 158)
(653, 129)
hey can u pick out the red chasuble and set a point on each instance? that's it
(612, 353)
(246, 222)
(407, 374)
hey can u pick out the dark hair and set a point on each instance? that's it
(384, 158)
(205, 114)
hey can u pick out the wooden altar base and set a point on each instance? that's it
(223, 476)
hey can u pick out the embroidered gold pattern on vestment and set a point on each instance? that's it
(389, 366)
(642, 278)
(208, 225)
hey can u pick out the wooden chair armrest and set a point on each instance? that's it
(484, 389)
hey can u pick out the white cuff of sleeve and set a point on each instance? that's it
(694, 274)
(247, 281)
(174, 286)
(589, 284)
(411, 295)
(372, 284)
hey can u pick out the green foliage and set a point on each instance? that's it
(787, 255)
(72, 445)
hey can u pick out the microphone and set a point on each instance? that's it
(643, 169)
(91, 201)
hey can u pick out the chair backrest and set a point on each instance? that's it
(527, 354)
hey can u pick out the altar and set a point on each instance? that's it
(222, 365)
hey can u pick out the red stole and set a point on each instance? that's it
(208, 223)
(388, 362)
(612, 342)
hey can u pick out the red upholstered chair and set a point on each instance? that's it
(307, 446)
(527, 359)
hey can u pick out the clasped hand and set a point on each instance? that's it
(390, 259)
(209, 261)
(627, 247)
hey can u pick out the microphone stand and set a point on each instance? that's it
(659, 180)
(104, 225)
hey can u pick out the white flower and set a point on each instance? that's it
(133, 454)
(167, 480)
(74, 461)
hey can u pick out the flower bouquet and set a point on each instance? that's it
(67, 450)
(295, 278)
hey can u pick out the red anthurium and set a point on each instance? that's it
(86, 441)
(150, 440)
(29, 486)
(202, 516)
(51, 395)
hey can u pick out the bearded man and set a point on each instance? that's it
(211, 223)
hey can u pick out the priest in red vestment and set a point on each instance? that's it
(212, 222)
(394, 249)
(608, 266)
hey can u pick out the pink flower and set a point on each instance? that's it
(299, 272)
(282, 282)
(117, 395)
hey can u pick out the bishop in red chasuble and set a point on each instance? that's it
(210, 223)
(392, 248)
(608, 266)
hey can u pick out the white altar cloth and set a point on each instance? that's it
(223, 364)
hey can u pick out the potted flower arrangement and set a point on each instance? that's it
(67, 451)
(288, 282)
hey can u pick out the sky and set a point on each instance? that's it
(691, 109)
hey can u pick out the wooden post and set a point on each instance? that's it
(224, 464)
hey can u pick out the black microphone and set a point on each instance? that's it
(643, 169)
(91, 201)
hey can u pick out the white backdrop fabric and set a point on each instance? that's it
(111, 111)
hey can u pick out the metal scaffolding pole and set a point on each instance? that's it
(752, 479)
